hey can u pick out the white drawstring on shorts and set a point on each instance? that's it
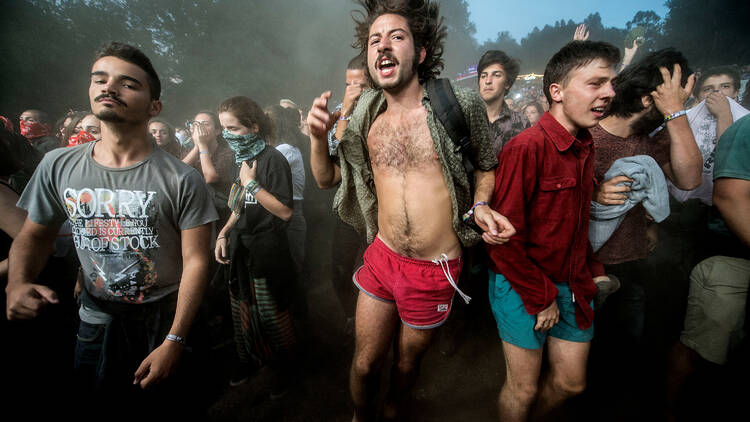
(443, 262)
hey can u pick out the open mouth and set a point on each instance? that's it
(386, 66)
(598, 112)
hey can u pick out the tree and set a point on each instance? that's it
(709, 32)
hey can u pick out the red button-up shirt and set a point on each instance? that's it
(543, 185)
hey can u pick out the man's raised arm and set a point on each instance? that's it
(326, 173)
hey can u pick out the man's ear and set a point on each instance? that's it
(647, 101)
(155, 108)
(556, 92)
(422, 54)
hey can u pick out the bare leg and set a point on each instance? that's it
(375, 324)
(409, 349)
(567, 374)
(522, 367)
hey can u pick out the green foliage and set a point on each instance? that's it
(208, 50)
(709, 32)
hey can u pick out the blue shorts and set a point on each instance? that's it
(516, 326)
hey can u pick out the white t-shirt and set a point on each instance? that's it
(703, 124)
(294, 157)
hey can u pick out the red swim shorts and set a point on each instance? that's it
(420, 289)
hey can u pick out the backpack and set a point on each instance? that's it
(446, 107)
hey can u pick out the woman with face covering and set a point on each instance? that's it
(164, 136)
(83, 128)
(212, 158)
(254, 244)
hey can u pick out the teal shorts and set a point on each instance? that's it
(516, 326)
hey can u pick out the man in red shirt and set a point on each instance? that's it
(542, 279)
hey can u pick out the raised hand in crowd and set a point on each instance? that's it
(581, 34)
(627, 58)
(670, 96)
(319, 119)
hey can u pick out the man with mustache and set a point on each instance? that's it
(141, 222)
(404, 185)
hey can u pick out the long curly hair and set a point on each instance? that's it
(425, 23)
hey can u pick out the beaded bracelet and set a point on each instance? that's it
(471, 211)
(255, 190)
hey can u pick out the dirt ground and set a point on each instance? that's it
(625, 382)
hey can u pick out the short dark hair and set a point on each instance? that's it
(510, 65)
(534, 104)
(730, 71)
(642, 78)
(425, 24)
(135, 56)
(358, 63)
(41, 114)
(574, 55)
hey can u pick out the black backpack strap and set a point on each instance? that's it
(445, 105)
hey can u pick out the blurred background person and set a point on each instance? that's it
(213, 158)
(165, 136)
(533, 111)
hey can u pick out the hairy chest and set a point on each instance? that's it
(401, 143)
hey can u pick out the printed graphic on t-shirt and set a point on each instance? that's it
(250, 199)
(705, 136)
(118, 228)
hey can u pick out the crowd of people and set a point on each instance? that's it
(559, 201)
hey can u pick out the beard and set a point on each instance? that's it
(647, 123)
(406, 73)
(108, 115)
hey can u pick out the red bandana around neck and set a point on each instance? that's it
(80, 138)
(33, 130)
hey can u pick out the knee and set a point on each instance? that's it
(523, 393)
(406, 366)
(569, 387)
(364, 366)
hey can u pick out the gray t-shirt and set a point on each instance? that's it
(125, 222)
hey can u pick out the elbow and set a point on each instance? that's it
(688, 184)
(211, 178)
(324, 184)
(721, 200)
(286, 214)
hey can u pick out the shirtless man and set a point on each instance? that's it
(402, 181)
